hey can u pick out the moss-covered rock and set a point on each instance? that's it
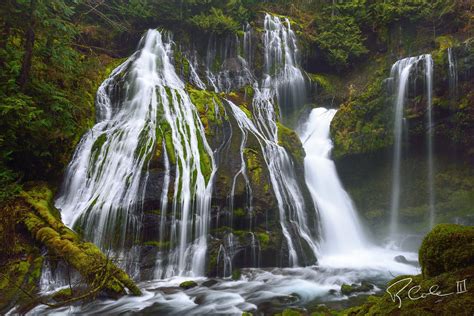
(288, 139)
(446, 248)
(188, 284)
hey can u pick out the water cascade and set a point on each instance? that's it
(281, 63)
(342, 232)
(143, 108)
(105, 180)
(290, 201)
(400, 75)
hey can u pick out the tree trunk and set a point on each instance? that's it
(29, 44)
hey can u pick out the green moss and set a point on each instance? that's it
(290, 312)
(254, 165)
(446, 248)
(441, 241)
(236, 274)
(158, 244)
(85, 257)
(363, 124)
(323, 81)
(239, 212)
(264, 239)
(188, 284)
(288, 139)
(206, 103)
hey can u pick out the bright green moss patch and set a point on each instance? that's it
(446, 248)
(263, 239)
(188, 284)
(288, 139)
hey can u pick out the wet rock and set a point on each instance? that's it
(169, 290)
(401, 259)
(210, 283)
(188, 284)
(365, 286)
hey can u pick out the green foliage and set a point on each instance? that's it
(215, 22)
(340, 39)
(363, 123)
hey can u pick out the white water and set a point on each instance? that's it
(257, 291)
(287, 192)
(342, 232)
(344, 244)
(281, 63)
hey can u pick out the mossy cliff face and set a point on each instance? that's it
(364, 123)
(362, 132)
(254, 229)
(37, 225)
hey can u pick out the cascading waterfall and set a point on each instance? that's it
(342, 232)
(105, 180)
(400, 75)
(282, 79)
(344, 244)
(290, 201)
(281, 63)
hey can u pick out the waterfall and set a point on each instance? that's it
(281, 63)
(290, 200)
(452, 73)
(429, 135)
(400, 75)
(144, 114)
(104, 185)
(341, 230)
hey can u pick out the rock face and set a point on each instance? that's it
(364, 122)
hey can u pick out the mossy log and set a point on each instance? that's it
(86, 258)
